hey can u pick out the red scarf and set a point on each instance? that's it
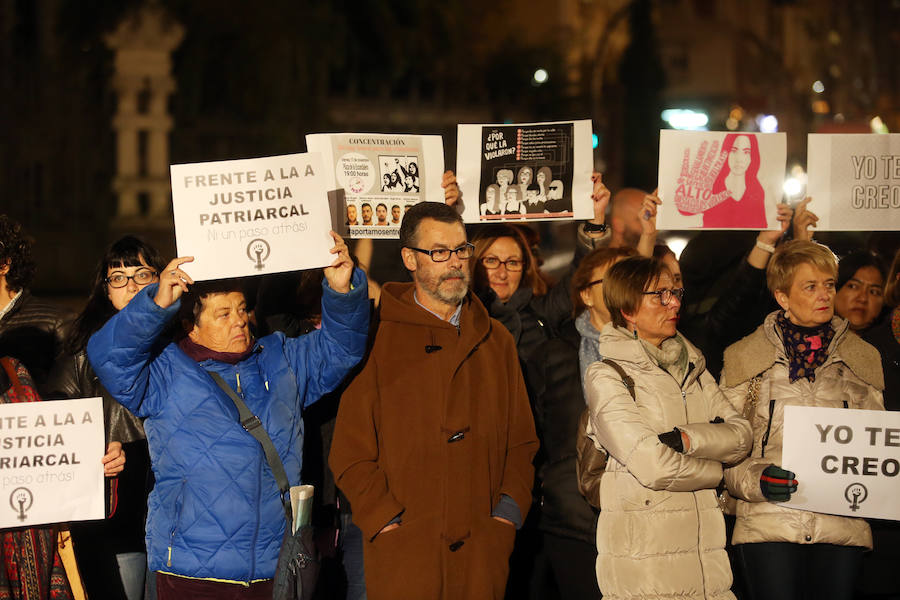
(201, 353)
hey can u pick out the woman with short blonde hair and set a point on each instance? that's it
(802, 355)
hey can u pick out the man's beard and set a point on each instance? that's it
(455, 294)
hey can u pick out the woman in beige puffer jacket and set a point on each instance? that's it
(660, 533)
(789, 553)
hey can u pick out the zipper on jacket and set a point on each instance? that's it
(765, 439)
(683, 393)
(178, 507)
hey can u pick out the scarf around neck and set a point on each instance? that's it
(806, 347)
(200, 353)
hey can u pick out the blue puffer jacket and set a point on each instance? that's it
(215, 511)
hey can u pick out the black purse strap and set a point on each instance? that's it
(253, 426)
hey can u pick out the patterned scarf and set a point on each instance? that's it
(30, 565)
(806, 347)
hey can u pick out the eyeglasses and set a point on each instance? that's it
(512, 265)
(140, 277)
(665, 295)
(443, 254)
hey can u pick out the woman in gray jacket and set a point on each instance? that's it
(660, 532)
(802, 355)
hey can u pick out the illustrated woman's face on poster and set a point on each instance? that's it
(504, 177)
(413, 169)
(490, 195)
(387, 179)
(525, 175)
(512, 195)
(739, 157)
(555, 191)
(541, 177)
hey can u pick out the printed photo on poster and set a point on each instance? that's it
(382, 176)
(854, 181)
(520, 172)
(718, 180)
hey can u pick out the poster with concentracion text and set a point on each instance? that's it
(252, 216)
(525, 172)
(854, 181)
(382, 175)
(720, 180)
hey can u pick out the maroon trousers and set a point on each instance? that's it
(170, 587)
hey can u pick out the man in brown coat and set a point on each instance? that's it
(434, 439)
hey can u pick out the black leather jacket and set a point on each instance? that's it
(34, 331)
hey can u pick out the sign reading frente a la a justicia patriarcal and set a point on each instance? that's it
(252, 216)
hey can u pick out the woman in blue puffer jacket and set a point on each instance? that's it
(215, 516)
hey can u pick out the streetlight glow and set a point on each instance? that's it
(540, 76)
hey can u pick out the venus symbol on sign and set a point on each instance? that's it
(856, 494)
(20, 500)
(260, 248)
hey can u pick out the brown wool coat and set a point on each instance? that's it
(424, 383)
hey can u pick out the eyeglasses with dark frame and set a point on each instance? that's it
(513, 265)
(665, 295)
(464, 252)
(140, 277)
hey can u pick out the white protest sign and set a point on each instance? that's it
(252, 216)
(847, 461)
(854, 181)
(720, 180)
(382, 175)
(50, 469)
(529, 171)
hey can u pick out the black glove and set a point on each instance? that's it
(672, 439)
(717, 420)
(777, 484)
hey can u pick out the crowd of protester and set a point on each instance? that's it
(480, 431)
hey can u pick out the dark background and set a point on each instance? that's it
(252, 79)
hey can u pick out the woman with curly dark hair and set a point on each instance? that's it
(31, 330)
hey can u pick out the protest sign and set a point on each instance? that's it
(252, 216)
(533, 171)
(854, 181)
(50, 469)
(382, 175)
(847, 461)
(719, 180)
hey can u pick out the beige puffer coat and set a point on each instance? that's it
(851, 377)
(660, 532)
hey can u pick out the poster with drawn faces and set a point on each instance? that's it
(537, 171)
(720, 180)
(382, 176)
